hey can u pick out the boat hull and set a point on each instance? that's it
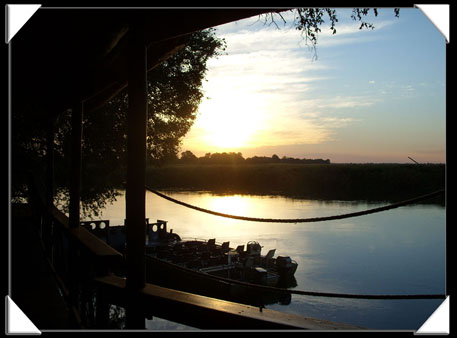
(180, 278)
(207, 268)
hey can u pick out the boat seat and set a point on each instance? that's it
(270, 254)
(267, 260)
(225, 247)
(240, 248)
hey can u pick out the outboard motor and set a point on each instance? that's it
(283, 261)
(253, 248)
(286, 266)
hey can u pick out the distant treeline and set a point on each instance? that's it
(188, 157)
(369, 182)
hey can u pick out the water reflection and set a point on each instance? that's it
(235, 204)
(401, 251)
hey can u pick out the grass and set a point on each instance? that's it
(372, 182)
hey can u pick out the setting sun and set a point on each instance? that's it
(267, 95)
(229, 123)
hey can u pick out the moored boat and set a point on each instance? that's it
(207, 267)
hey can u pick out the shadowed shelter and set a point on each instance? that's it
(78, 59)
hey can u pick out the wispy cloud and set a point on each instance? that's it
(251, 35)
(269, 93)
(265, 88)
(267, 80)
(347, 102)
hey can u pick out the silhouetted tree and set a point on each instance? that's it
(188, 157)
(310, 20)
(221, 158)
(275, 158)
(174, 95)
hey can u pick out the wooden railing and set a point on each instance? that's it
(76, 257)
(89, 273)
(210, 313)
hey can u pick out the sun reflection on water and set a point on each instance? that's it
(233, 205)
(379, 253)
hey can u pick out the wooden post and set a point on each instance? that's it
(50, 164)
(75, 197)
(136, 172)
(47, 231)
(102, 310)
(75, 170)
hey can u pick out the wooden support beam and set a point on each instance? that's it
(75, 170)
(50, 136)
(136, 166)
(75, 197)
(47, 226)
(210, 313)
(136, 174)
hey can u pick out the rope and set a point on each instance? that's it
(357, 296)
(301, 220)
(307, 220)
(299, 292)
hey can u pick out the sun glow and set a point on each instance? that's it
(265, 95)
(234, 204)
(229, 122)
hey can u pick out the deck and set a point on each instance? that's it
(32, 285)
(43, 297)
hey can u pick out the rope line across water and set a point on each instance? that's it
(301, 220)
(308, 220)
(298, 292)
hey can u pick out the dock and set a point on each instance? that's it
(38, 291)
(62, 276)
(33, 287)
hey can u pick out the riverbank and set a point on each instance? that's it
(370, 182)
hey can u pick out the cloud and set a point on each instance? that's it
(336, 102)
(347, 102)
(267, 83)
(259, 37)
(273, 72)
(398, 89)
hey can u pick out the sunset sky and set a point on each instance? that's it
(370, 96)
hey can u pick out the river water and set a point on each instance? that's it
(400, 251)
